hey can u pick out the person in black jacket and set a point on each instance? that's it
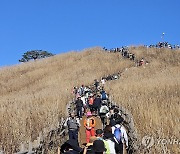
(79, 106)
(115, 117)
(97, 104)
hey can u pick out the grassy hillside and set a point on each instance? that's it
(34, 95)
(152, 95)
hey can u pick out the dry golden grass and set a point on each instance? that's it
(152, 95)
(34, 95)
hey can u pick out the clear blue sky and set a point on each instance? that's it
(60, 26)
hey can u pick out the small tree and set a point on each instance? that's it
(35, 54)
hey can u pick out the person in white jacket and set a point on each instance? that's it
(124, 137)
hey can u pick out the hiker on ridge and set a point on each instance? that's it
(96, 84)
(85, 105)
(141, 62)
(73, 124)
(91, 102)
(79, 106)
(89, 124)
(75, 91)
(115, 116)
(81, 90)
(103, 113)
(108, 139)
(120, 134)
(103, 82)
(97, 104)
(104, 95)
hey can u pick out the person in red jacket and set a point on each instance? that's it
(91, 102)
(89, 124)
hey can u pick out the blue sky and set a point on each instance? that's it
(60, 26)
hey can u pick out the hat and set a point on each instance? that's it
(98, 146)
(88, 114)
(72, 114)
(99, 131)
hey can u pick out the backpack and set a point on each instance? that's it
(104, 96)
(103, 109)
(116, 117)
(118, 134)
(72, 124)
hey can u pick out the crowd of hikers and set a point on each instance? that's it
(164, 45)
(124, 51)
(158, 45)
(92, 103)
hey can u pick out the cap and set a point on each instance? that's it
(99, 131)
(88, 114)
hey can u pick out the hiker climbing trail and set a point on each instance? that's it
(90, 99)
(87, 103)
(51, 132)
(82, 135)
(88, 110)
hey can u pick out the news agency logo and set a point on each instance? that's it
(148, 141)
